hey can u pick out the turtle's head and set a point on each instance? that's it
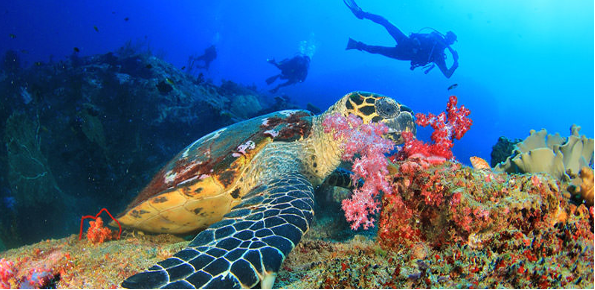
(372, 107)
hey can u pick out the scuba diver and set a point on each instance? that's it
(422, 49)
(208, 56)
(294, 70)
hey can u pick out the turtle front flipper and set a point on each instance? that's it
(341, 177)
(246, 247)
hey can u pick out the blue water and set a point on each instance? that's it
(523, 64)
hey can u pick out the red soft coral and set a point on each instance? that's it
(97, 233)
(447, 126)
(364, 145)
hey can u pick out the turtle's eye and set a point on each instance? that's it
(387, 108)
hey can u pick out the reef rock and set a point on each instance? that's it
(502, 150)
(245, 106)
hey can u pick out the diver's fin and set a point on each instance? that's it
(354, 8)
(272, 79)
(352, 44)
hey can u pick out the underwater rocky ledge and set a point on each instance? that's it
(90, 132)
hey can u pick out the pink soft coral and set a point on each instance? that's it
(36, 278)
(447, 126)
(363, 144)
(6, 274)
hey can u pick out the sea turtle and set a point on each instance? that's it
(250, 187)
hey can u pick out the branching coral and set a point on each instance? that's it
(448, 126)
(364, 145)
(97, 233)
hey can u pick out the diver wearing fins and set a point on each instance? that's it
(294, 70)
(422, 49)
(208, 56)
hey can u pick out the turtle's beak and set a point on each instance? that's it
(401, 123)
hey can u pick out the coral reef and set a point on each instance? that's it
(363, 144)
(584, 188)
(97, 233)
(512, 224)
(37, 278)
(109, 121)
(447, 127)
(553, 154)
(91, 126)
(70, 263)
(472, 229)
(502, 150)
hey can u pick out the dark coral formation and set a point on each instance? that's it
(502, 150)
(89, 132)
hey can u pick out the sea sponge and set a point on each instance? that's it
(553, 154)
(585, 189)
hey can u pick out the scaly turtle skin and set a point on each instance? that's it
(250, 187)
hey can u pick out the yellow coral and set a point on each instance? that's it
(585, 190)
(558, 156)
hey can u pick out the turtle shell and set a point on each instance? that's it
(203, 182)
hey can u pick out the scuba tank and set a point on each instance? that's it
(427, 64)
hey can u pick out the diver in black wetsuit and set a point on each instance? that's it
(208, 56)
(294, 70)
(422, 49)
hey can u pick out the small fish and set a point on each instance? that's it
(453, 86)
(38, 63)
(126, 19)
(183, 68)
(95, 27)
(169, 81)
(76, 49)
(479, 163)
(149, 66)
(12, 36)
